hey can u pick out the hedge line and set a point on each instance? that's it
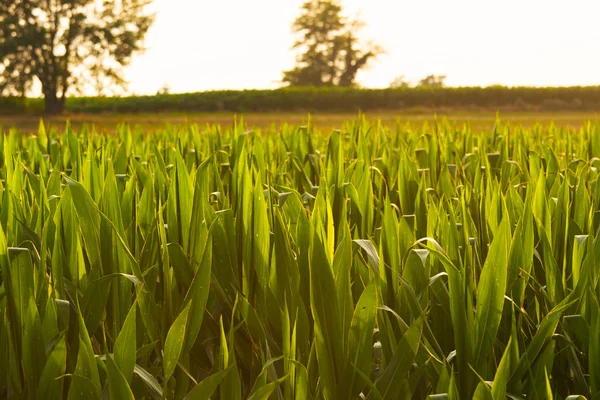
(332, 100)
(10, 105)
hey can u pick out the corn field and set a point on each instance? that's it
(371, 262)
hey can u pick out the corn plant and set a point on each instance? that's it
(373, 262)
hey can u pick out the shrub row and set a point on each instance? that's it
(332, 100)
(11, 105)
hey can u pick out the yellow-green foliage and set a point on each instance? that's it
(224, 263)
(332, 99)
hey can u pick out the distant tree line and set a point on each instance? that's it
(68, 47)
(333, 99)
(430, 81)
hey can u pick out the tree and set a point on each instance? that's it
(331, 54)
(67, 45)
(433, 81)
(399, 82)
(165, 89)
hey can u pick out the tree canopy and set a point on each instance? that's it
(67, 45)
(431, 81)
(331, 53)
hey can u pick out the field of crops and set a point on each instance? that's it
(380, 262)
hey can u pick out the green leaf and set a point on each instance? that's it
(483, 392)
(594, 343)
(150, 382)
(205, 388)
(395, 375)
(83, 388)
(503, 373)
(174, 342)
(326, 313)
(372, 254)
(85, 382)
(490, 293)
(264, 392)
(126, 346)
(51, 383)
(89, 222)
(360, 340)
(117, 383)
(543, 334)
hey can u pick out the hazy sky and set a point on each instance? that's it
(240, 44)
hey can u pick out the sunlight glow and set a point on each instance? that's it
(237, 44)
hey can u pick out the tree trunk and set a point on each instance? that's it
(53, 104)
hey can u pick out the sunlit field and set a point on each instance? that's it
(386, 257)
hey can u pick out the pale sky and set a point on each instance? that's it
(197, 45)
